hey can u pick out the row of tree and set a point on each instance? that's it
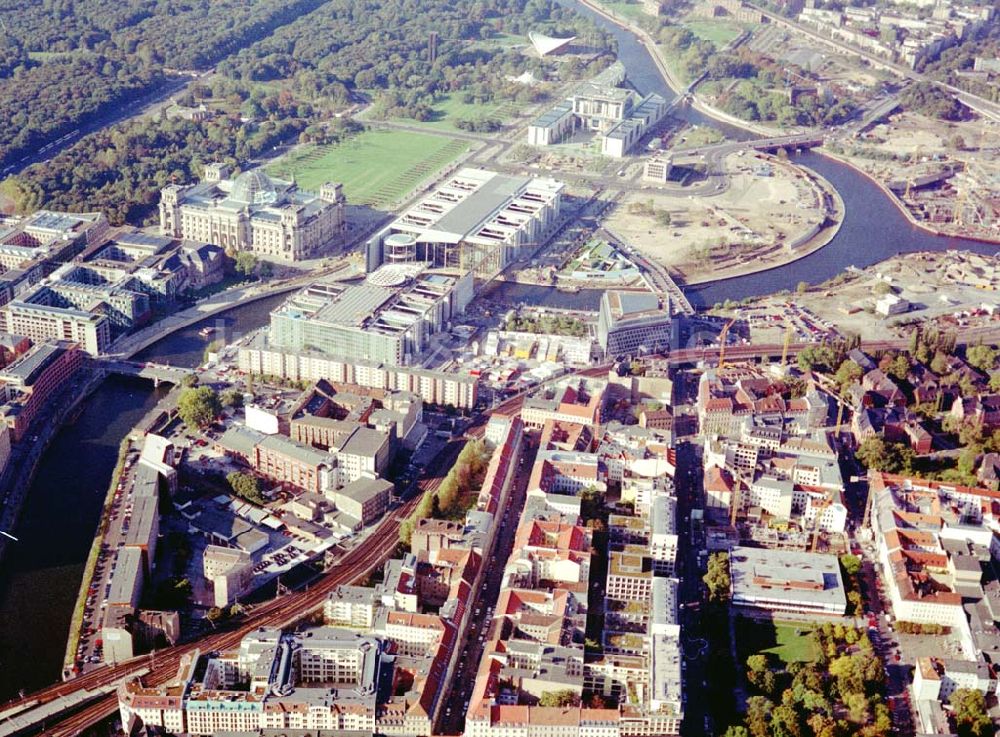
(450, 497)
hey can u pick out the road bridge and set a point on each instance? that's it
(876, 114)
(716, 151)
(145, 370)
(656, 277)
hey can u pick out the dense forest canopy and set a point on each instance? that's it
(279, 88)
(64, 63)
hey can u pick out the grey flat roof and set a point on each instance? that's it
(363, 489)
(128, 567)
(355, 304)
(224, 523)
(145, 515)
(554, 114)
(240, 439)
(27, 368)
(298, 451)
(145, 482)
(363, 442)
(469, 214)
(786, 576)
(143, 240)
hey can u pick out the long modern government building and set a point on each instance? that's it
(476, 220)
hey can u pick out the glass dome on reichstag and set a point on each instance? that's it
(253, 188)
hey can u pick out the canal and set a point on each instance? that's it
(41, 574)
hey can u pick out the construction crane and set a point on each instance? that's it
(722, 343)
(784, 350)
(913, 177)
(959, 214)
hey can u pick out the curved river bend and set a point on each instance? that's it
(873, 228)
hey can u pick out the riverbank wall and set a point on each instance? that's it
(811, 242)
(900, 205)
(25, 474)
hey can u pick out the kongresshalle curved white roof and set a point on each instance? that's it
(546, 44)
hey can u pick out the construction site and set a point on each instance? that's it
(760, 213)
(948, 289)
(945, 175)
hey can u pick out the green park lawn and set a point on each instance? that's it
(450, 108)
(787, 641)
(377, 167)
(719, 32)
(626, 9)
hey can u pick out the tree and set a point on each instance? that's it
(820, 357)
(758, 716)
(232, 398)
(564, 697)
(848, 373)
(878, 455)
(981, 357)
(899, 367)
(802, 287)
(736, 730)
(939, 364)
(717, 578)
(245, 263)
(851, 564)
(214, 614)
(969, 711)
(246, 486)
(198, 406)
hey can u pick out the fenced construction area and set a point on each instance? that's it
(377, 168)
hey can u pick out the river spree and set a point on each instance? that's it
(873, 228)
(41, 574)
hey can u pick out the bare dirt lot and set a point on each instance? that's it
(766, 207)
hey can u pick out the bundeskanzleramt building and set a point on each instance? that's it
(254, 212)
(630, 321)
(617, 114)
(478, 221)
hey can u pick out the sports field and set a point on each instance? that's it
(377, 167)
(626, 8)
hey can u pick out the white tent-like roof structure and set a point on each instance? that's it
(546, 44)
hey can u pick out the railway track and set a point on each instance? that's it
(280, 612)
